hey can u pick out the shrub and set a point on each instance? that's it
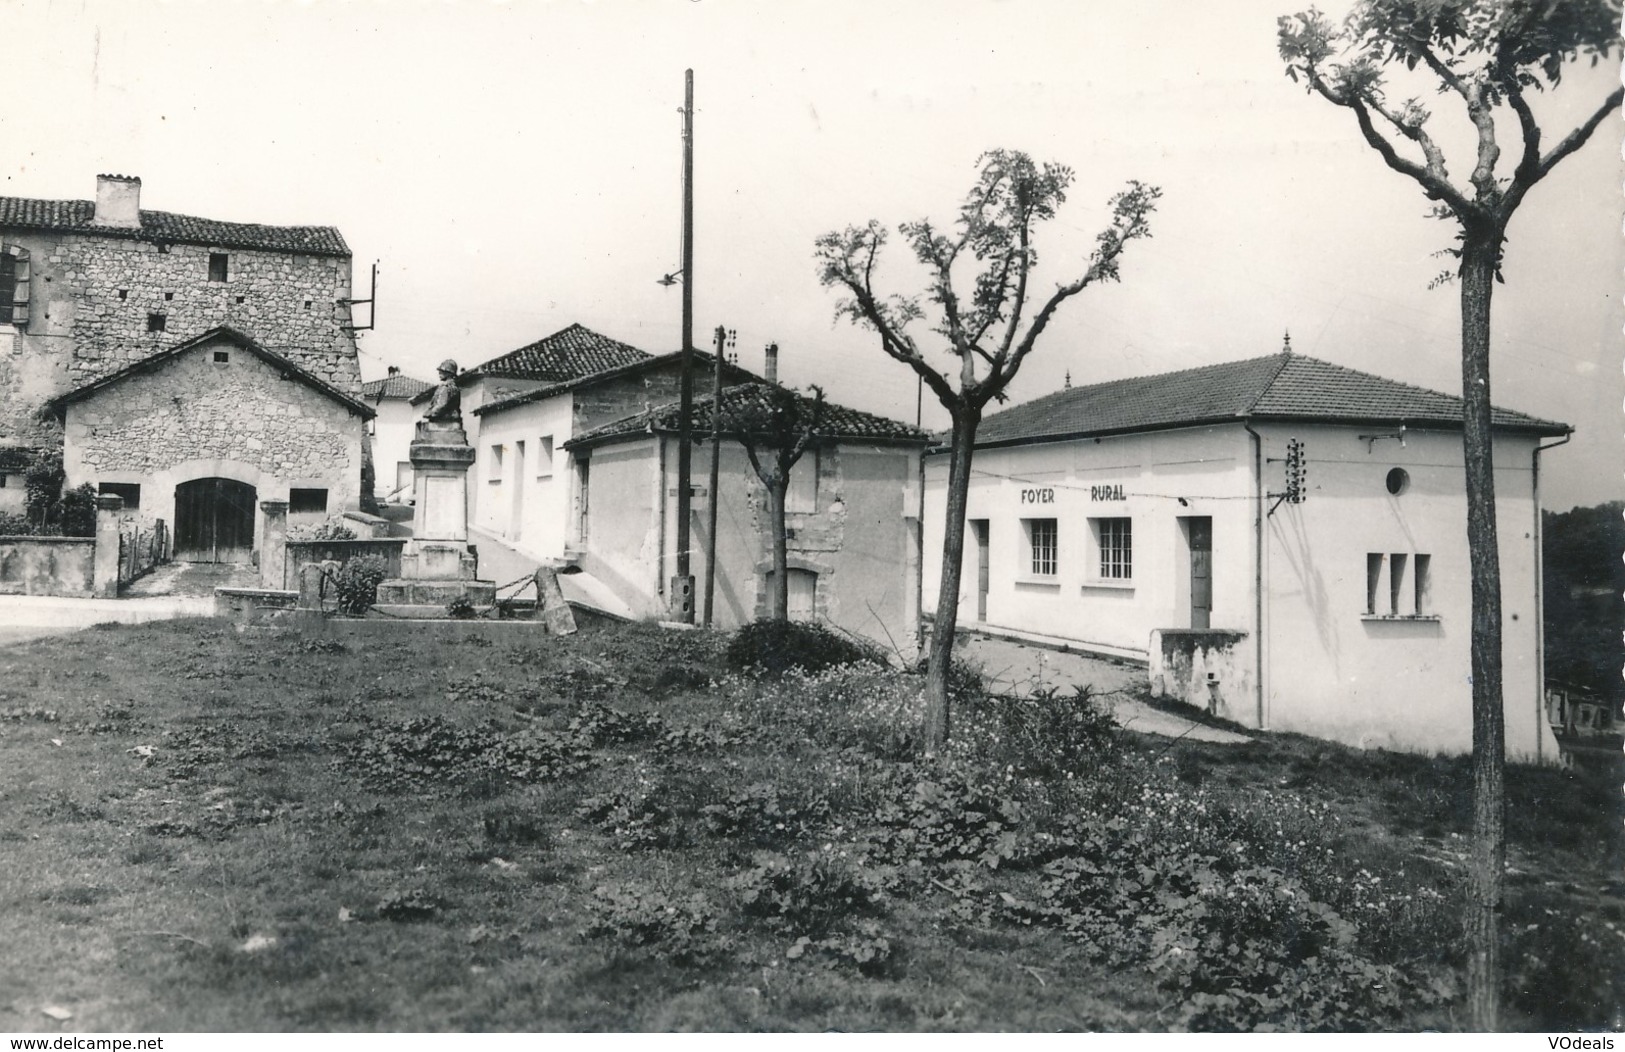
(42, 482)
(357, 582)
(681, 928)
(765, 815)
(775, 647)
(78, 515)
(858, 706)
(602, 725)
(807, 894)
(1045, 734)
(947, 817)
(430, 749)
(636, 815)
(460, 609)
(12, 525)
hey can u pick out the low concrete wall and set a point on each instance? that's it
(254, 605)
(1208, 668)
(64, 566)
(305, 553)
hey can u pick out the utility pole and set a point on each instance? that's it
(725, 338)
(682, 590)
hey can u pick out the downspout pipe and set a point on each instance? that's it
(1540, 597)
(1258, 576)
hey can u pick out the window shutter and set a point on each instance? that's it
(21, 285)
(7, 285)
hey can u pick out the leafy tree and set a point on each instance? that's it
(1584, 578)
(1487, 57)
(992, 235)
(775, 425)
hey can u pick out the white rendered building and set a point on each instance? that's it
(1157, 519)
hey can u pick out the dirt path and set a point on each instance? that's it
(1019, 667)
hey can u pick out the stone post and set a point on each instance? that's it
(104, 574)
(273, 543)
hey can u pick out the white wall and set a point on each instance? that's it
(393, 429)
(1207, 467)
(541, 526)
(1329, 669)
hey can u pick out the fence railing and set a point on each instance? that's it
(140, 549)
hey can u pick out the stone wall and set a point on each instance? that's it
(195, 417)
(91, 298)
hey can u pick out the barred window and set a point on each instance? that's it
(1043, 541)
(1114, 539)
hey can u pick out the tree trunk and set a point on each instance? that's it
(1489, 721)
(781, 559)
(953, 551)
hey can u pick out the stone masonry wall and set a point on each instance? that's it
(241, 411)
(91, 297)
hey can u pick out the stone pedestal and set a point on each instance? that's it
(273, 544)
(437, 566)
(104, 573)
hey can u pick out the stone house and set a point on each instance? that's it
(198, 435)
(391, 432)
(522, 471)
(852, 516)
(90, 289)
(1280, 540)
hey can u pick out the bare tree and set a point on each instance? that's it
(775, 425)
(1487, 57)
(993, 235)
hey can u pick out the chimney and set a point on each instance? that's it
(394, 370)
(118, 201)
(771, 369)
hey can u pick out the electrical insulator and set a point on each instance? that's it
(1297, 473)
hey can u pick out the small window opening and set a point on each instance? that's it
(217, 266)
(222, 356)
(123, 294)
(168, 296)
(301, 501)
(239, 299)
(1399, 480)
(130, 491)
(307, 304)
(155, 322)
(1373, 580)
(1398, 563)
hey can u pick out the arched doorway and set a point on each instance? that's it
(214, 521)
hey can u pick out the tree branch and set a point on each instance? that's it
(1529, 171)
(1435, 188)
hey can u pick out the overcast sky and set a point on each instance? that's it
(516, 168)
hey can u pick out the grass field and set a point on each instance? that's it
(204, 830)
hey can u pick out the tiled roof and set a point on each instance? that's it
(1282, 386)
(397, 386)
(78, 217)
(741, 407)
(731, 373)
(289, 369)
(567, 354)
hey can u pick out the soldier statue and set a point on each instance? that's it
(445, 406)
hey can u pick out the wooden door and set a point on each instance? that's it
(1201, 537)
(980, 528)
(214, 521)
